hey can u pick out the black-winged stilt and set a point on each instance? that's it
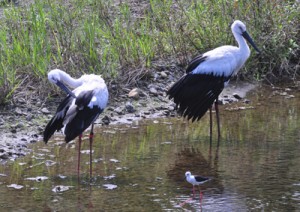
(208, 74)
(196, 180)
(79, 109)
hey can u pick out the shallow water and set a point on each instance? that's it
(140, 167)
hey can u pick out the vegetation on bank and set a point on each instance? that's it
(127, 40)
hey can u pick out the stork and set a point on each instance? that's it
(79, 109)
(207, 75)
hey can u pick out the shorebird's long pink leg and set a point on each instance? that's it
(193, 191)
(200, 197)
(91, 148)
(79, 148)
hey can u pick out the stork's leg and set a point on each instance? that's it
(79, 148)
(91, 148)
(218, 118)
(210, 125)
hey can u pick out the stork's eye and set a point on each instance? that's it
(241, 29)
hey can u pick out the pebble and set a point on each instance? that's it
(4, 155)
(106, 120)
(237, 96)
(45, 111)
(153, 91)
(119, 110)
(163, 75)
(129, 107)
(134, 93)
(18, 111)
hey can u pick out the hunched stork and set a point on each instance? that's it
(208, 74)
(79, 109)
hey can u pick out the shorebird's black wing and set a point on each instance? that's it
(82, 115)
(56, 123)
(199, 178)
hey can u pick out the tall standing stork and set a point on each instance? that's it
(208, 74)
(79, 109)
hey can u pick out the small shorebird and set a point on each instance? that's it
(196, 180)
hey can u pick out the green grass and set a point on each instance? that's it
(125, 41)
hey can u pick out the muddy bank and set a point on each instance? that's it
(23, 122)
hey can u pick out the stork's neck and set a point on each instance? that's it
(66, 78)
(243, 46)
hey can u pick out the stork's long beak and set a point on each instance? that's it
(65, 88)
(249, 39)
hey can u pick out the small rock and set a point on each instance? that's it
(110, 186)
(129, 107)
(246, 101)
(15, 186)
(153, 91)
(61, 188)
(119, 110)
(18, 111)
(237, 96)
(163, 75)
(4, 156)
(29, 117)
(134, 93)
(106, 120)
(20, 125)
(1, 121)
(45, 110)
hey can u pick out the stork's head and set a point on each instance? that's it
(239, 28)
(55, 77)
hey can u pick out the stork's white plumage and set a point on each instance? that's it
(79, 109)
(208, 74)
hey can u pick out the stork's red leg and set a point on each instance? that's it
(210, 125)
(79, 148)
(91, 148)
(218, 118)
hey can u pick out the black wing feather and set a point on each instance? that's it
(56, 123)
(195, 62)
(84, 117)
(194, 94)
